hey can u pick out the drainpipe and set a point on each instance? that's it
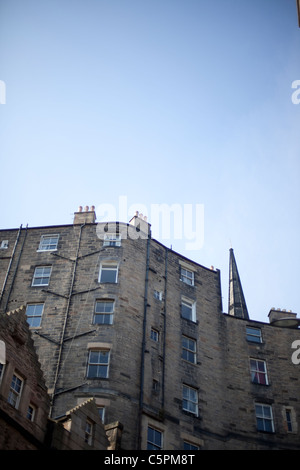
(62, 340)
(165, 325)
(143, 344)
(10, 263)
(17, 266)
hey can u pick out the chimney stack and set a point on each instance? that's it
(140, 222)
(284, 318)
(86, 216)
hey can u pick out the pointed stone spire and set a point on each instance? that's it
(236, 300)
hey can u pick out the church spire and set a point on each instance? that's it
(236, 300)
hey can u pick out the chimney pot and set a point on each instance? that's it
(86, 217)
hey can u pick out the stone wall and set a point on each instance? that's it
(147, 376)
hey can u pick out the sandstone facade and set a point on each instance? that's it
(141, 329)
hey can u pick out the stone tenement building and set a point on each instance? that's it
(119, 317)
(25, 404)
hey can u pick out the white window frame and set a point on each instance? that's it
(50, 246)
(105, 313)
(154, 444)
(157, 295)
(15, 392)
(187, 276)
(99, 364)
(264, 417)
(154, 335)
(34, 315)
(187, 350)
(257, 372)
(189, 446)
(88, 432)
(101, 411)
(112, 239)
(190, 304)
(31, 415)
(190, 399)
(36, 276)
(253, 334)
(108, 265)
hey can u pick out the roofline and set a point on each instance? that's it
(41, 227)
(259, 322)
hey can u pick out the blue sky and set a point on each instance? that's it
(160, 102)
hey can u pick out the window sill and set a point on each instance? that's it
(260, 385)
(97, 378)
(46, 251)
(189, 413)
(110, 283)
(40, 285)
(188, 362)
(194, 322)
(186, 283)
(266, 432)
(256, 343)
(111, 246)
